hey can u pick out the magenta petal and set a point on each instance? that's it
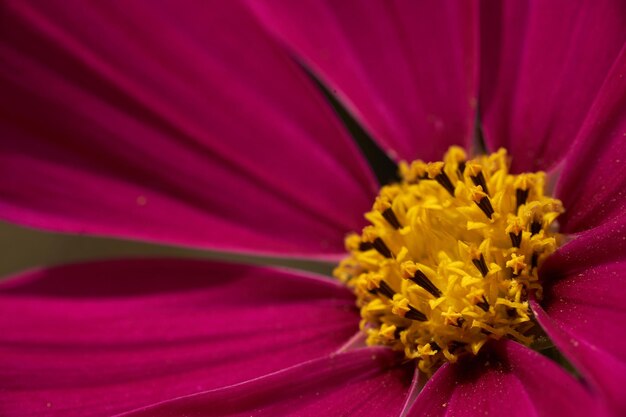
(542, 64)
(583, 309)
(101, 338)
(364, 382)
(416, 385)
(182, 123)
(512, 381)
(593, 180)
(405, 69)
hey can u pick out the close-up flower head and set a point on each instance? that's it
(412, 207)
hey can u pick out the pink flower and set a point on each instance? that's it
(195, 124)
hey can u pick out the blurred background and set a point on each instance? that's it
(22, 248)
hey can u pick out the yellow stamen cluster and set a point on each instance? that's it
(450, 256)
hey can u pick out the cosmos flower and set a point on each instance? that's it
(196, 124)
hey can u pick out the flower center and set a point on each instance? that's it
(450, 256)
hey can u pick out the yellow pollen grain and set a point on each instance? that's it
(450, 255)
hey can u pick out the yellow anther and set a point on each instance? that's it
(426, 350)
(531, 211)
(525, 181)
(514, 225)
(400, 305)
(372, 280)
(473, 168)
(369, 234)
(388, 193)
(434, 168)
(374, 308)
(373, 337)
(388, 331)
(451, 317)
(477, 193)
(542, 244)
(408, 269)
(449, 355)
(516, 263)
(412, 172)
(474, 252)
(476, 346)
(381, 204)
(353, 242)
(476, 295)
(436, 278)
(455, 155)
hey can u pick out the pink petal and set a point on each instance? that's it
(593, 180)
(363, 383)
(583, 308)
(417, 384)
(406, 69)
(101, 338)
(513, 381)
(182, 123)
(542, 64)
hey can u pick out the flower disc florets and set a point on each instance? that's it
(450, 256)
